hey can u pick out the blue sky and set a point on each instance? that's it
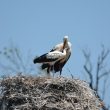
(38, 25)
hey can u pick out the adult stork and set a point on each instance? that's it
(56, 58)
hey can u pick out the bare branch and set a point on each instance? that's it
(101, 72)
(88, 67)
(100, 66)
(14, 60)
(90, 76)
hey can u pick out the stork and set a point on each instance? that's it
(56, 58)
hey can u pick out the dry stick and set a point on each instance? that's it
(88, 70)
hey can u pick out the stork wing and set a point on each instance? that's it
(56, 55)
(43, 58)
(59, 58)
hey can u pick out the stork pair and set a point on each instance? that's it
(55, 60)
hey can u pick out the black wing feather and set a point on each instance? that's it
(43, 59)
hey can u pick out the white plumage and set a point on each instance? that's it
(56, 54)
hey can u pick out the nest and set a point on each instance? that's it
(41, 93)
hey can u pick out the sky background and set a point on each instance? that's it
(38, 25)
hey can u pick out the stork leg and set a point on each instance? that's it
(48, 71)
(60, 72)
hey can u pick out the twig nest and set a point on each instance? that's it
(41, 93)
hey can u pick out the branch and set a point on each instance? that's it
(88, 69)
(100, 66)
(90, 76)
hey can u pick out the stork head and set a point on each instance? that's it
(66, 44)
(65, 38)
(69, 46)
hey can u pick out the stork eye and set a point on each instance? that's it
(67, 49)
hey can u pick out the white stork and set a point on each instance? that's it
(56, 58)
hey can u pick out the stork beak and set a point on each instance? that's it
(64, 44)
(65, 40)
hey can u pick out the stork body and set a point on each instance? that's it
(56, 58)
(49, 59)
